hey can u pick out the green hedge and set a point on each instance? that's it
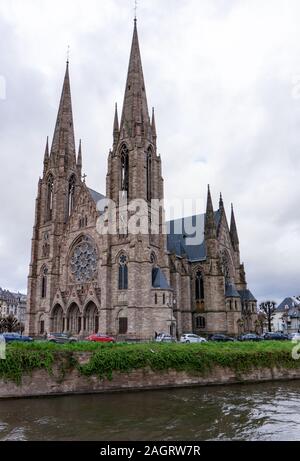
(106, 358)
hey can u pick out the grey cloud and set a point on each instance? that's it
(220, 77)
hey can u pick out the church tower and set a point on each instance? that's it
(57, 193)
(135, 185)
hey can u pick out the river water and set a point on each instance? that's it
(268, 411)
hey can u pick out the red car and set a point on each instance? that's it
(101, 338)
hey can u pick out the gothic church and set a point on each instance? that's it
(128, 285)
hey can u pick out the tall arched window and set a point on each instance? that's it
(124, 170)
(199, 286)
(123, 273)
(149, 174)
(200, 322)
(71, 194)
(49, 205)
(44, 282)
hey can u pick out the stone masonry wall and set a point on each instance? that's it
(40, 383)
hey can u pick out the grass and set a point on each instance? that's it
(24, 358)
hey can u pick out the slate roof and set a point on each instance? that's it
(7, 295)
(96, 196)
(186, 236)
(159, 279)
(246, 295)
(231, 291)
(291, 301)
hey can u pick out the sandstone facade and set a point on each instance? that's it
(125, 284)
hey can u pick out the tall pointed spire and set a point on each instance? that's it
(64, 139)
(46, 156)
(116, 131)
(221, 203)
(210, 224)
(79, 157)
(135, 115)
(153, 125)
(79, 160)
(233, 230)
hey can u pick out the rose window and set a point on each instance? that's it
(84, 261)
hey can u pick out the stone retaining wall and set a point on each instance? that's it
(40, 383)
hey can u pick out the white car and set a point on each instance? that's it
(191, 338)
(164, 338)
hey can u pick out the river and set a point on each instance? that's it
(268, 411)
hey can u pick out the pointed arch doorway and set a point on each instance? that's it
(91, 318)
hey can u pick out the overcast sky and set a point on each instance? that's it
(224, 77)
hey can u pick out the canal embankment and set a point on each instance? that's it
(42, 369)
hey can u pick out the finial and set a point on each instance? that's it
(221, 203)
(68, 54)
(135, 10)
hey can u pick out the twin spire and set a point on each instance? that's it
(64, 139)
(135, 120)
(63, 143)
(210, 222)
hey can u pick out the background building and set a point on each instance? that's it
(287, 315)
(13, 304)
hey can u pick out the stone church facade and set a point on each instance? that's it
(128, 284)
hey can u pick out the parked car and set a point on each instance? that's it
(164, 338)
(295, 336)
(97, 338)
(275, 336)
(250, 337)
(221, 338)
(10, 337)
(61, 338)
(192, 338)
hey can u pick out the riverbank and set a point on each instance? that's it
(48, 369)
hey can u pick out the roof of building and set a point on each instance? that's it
(231, 291)
(246, 295)
(288, 303)
(186, 236)
(10, 296)
(159, 279)
(96, 196)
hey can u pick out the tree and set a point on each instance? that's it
(10, 324)
(1, 324)
(268, 309)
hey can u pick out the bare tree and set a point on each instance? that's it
(268, 309)
(10, 324)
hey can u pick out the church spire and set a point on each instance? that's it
(153, 125)
(63, 138)
(46, 156)
(135, 115)
(221, 203)
(116, 131)
(233, 230)
(210, 224)
(79, 159)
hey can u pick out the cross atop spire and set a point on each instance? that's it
(63, 139)
(135, 115)
(135, 10)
